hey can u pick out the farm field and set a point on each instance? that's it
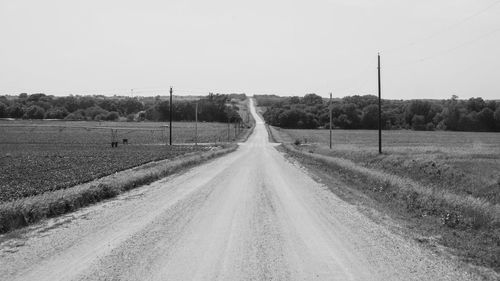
(41, 132)
(463, 162)
(35, 157)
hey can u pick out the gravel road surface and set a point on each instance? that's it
(249, 215)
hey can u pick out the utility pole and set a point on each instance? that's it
(330, 110)
(379, 110)
(170, 127)
(196, 124)
(228, 121)
(228, 128)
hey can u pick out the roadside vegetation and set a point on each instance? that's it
(361, 112)
(446, 185)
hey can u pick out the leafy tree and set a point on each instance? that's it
(76, 116)
(312, 99)
(130, 105)
(56, 113)
(475, 104)
(86, 102)
(34, 112)
(112, 116)
(15, 110)
(486, 119)
(496, 116)
(3, 110)
(369, 119)
(418, 123)
(92, 112)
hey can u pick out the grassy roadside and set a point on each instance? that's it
(25, 211)
(465, 223)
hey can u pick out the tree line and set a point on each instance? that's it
(212, 108)
(361, 112)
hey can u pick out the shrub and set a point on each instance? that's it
(75, 116)
(112, 116)
(130, 117)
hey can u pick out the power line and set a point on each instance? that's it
(449, 50)
(439, 32)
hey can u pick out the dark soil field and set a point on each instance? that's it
(36, 157)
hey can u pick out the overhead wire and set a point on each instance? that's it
(448, 50)
(443, 30)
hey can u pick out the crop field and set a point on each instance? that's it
(36, 157)
(463, 162)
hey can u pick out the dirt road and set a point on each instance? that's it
(250, 215)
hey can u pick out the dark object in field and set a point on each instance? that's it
(125, 141)
(114, 144)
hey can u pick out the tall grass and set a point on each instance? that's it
(473, 212)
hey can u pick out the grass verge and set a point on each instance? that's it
(468, 226)
(25, 211)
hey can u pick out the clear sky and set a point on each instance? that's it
(282, 47)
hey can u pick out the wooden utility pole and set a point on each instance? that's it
(330, 110)
(379, 110)
(170, 127)
(228, 127)
(196, 124)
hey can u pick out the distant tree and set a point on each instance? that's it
(108, 104)
(15, 110)
(3, 110)
(112, 116)
(369, 119)
(70, 103)
(130, 117)
(23, 96)
(486, 119)
(353, 114)
(76, 116)
(421, 108)
(491, 105)
(130, 105)
(343, 122)
(469, 122)
(475, 104)
(496, 116)
(86, 102)
(452, 115)
(56, 113)
(294, 100)
(312, 99)
(361, 101)
(418, 123)
(34, 112)
(35, 97)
